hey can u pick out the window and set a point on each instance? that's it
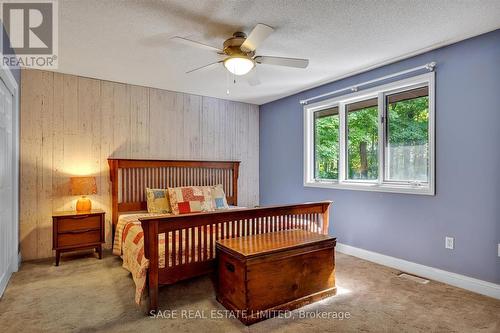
(326, 144)
(362, 139)
(378, 139)
(407, 147)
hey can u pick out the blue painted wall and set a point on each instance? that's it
(413, 227)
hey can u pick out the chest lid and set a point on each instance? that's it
(261, 244)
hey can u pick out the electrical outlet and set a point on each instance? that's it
(449, 243)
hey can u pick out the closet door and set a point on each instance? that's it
(7, 229)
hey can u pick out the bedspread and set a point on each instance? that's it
(129, 244)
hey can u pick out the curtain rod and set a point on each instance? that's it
(429, 66)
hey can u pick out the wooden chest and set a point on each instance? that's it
(261, 276)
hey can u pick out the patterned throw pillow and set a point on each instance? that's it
(191, 199)
(157, 200)
(219, 197)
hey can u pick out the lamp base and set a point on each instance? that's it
(83, 205)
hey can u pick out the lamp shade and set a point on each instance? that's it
(83, 185)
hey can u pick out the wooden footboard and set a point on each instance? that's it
(191, 251)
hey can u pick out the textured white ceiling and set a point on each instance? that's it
(129, 41)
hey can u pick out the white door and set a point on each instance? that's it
(8, 248)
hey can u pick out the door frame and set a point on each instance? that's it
(10, 82)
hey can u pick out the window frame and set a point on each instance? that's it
(380, 184)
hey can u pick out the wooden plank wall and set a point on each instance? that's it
(70, 125)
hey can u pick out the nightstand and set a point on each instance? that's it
(72, 231)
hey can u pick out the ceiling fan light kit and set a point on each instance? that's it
(239, 65)
(240, 51)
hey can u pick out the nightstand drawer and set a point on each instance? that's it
(76, 238)
(80, 222)
(74, 231)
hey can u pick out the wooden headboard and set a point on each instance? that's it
(130, 177)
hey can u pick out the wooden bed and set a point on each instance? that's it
(130, 177)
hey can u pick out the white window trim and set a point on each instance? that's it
(379, 185)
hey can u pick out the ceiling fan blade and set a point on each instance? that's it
(203, 67)
(280, 61)
(253, 77)
(256, 37)
(194, 43)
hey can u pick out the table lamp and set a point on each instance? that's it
(83, 186)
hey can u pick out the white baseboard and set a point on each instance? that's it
(457, 280)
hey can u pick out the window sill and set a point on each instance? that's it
(371, 187)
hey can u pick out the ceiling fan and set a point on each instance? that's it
(239, 52)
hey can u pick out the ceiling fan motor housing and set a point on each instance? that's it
(232, 45)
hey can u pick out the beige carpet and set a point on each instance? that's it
(85, 294)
